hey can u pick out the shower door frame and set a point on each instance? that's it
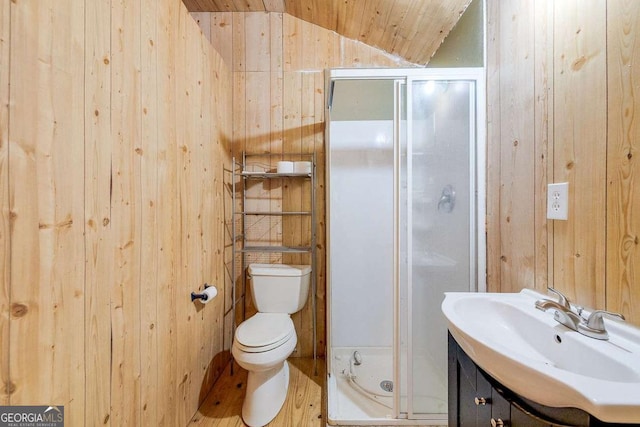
(477, 164)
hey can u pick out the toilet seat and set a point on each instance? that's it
(263, 332)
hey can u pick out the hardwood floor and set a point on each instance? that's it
(303, 406)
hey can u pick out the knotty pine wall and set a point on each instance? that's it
(562, 79)
(277, 63)
(115, 122)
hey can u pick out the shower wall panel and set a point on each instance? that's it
(361, 243)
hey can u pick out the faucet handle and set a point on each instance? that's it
(562, 300)
(595, 321)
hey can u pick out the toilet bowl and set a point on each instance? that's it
(263, 342)
(264, 356)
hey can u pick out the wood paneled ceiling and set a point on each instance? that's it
(410, 29)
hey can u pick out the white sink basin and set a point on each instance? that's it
(526, 350)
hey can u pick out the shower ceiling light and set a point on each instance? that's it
(429, 87)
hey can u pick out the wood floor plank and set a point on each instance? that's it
(303, 406)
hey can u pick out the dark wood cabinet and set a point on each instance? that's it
(476, 399)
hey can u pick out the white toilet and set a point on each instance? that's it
(264, 341)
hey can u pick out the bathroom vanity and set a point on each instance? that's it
(513, 363)
(476, 399)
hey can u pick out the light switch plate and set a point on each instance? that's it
(558, 201)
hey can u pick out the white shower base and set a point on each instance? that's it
(348, 404)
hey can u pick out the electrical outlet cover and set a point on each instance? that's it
(558, 201)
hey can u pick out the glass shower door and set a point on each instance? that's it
(361, 247)
(440, 227)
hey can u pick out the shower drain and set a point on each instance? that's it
(387, 385)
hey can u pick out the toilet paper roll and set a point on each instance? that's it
(302, 167)
(285, 167)
(211, 293)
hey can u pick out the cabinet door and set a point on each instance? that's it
(500, 410)
(462, 388)
(467, 415)
(484, 393)
(522, 419)
(453, 381)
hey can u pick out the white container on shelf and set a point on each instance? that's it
(285, 167)
(302, 167)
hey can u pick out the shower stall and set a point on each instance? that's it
(405, 224)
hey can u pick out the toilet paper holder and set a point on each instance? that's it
(203, 297)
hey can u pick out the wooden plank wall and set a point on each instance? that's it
(561, 79)
(115, 124)
(514, 68)
(622, 152)
(580, 103)
(278, 63)
(5, 221)
(46, 153)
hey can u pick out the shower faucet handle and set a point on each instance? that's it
(447, 199)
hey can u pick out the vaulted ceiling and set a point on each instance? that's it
(411, 29)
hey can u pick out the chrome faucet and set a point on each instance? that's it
(592, 326)
(563, 313)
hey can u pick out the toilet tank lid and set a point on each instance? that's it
(278, 270)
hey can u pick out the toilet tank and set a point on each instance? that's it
(279, 288)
